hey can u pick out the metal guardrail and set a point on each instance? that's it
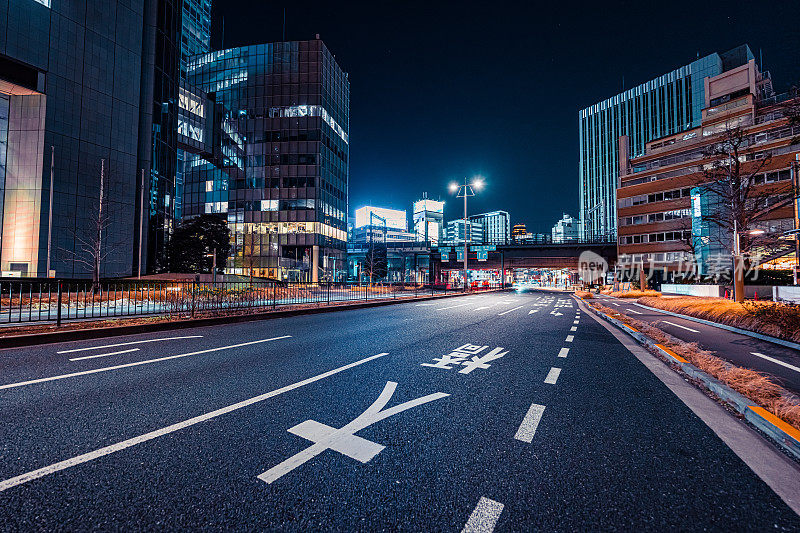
(34, 300)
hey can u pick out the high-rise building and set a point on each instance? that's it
(518, 232)
(195, 39)
(69, 97)
(667, 105)
(496, 227)
(429, 220)
(565, 230)
(671, 221)
(281, 166)
(380, 216)
(454, 232)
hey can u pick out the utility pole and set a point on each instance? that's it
(141, 225)
(50, 214)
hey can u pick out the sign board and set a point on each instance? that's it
(459, 255)
(482, 256)
(445, 257)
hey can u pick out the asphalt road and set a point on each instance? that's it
(781, 362)
(369, 419)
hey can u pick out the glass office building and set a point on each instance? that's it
(69, 95)
(664, 106)
(496, 227)
(280, 177)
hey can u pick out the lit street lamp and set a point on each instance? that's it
(464, 191)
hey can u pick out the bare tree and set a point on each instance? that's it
(93, 245)
(742, 198)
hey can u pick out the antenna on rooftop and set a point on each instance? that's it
(284, 23)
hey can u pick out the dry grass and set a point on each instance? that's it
(584, 294)
(774, 319)
(634, 294)
(754, 385)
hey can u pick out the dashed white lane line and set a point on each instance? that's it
(482, 307)
(129, 343)
(570, 338)
(776, 361)
(103, 354)
(533, 311)
(484, 517)
(679, 326)
(563, 352)
(506, 312)
(615, 303)
(529, 424)
(634, 311)
(423, 305)
(453, 306)
(576, 322)
(137, 363)
(107, 450)
(552, 376)
(573, 328)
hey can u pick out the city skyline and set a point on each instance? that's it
(460, 57)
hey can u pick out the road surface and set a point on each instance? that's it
(781, 362)
(512, 412)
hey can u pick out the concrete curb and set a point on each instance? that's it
(761, 336)
(18, 341)
(778, 430)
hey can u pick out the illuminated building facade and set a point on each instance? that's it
(429, 220)
(663, 209)
(667, 105)
(69, 79)
(281, 180)
(496, 227)
(393, 218)
(454, 232)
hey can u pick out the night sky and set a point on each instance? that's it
(443, 90)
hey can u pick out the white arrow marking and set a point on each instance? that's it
(344, 440)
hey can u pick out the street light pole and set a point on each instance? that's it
(463, 191)
(466, 270)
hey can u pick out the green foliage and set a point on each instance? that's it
(193, 243)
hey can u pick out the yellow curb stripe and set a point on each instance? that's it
(672, 354)
(769, 417)
(630, 328)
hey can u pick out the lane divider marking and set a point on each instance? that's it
(552, 376)
(506, 312)
(136, 363)
(679, 326)
(113, 448)
(569, 338)
(776, 361)
(103, 354)
(484, 517)
(563, 352)
(129, 343)
(527, 429)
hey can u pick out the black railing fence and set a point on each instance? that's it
(36, 300)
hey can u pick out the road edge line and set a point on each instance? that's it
(775, 468)
(754, 334)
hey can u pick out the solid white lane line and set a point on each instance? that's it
(570, 338)
(776, 361)
(679, 326)
(634, 312)
(506, 312)
(574, 328)
(103, 354)
(563, 352)
(484, 517)
(453, 306)
(129, 343)
(552, 376)
(107, 450)
(137, 363)
(529, 424)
